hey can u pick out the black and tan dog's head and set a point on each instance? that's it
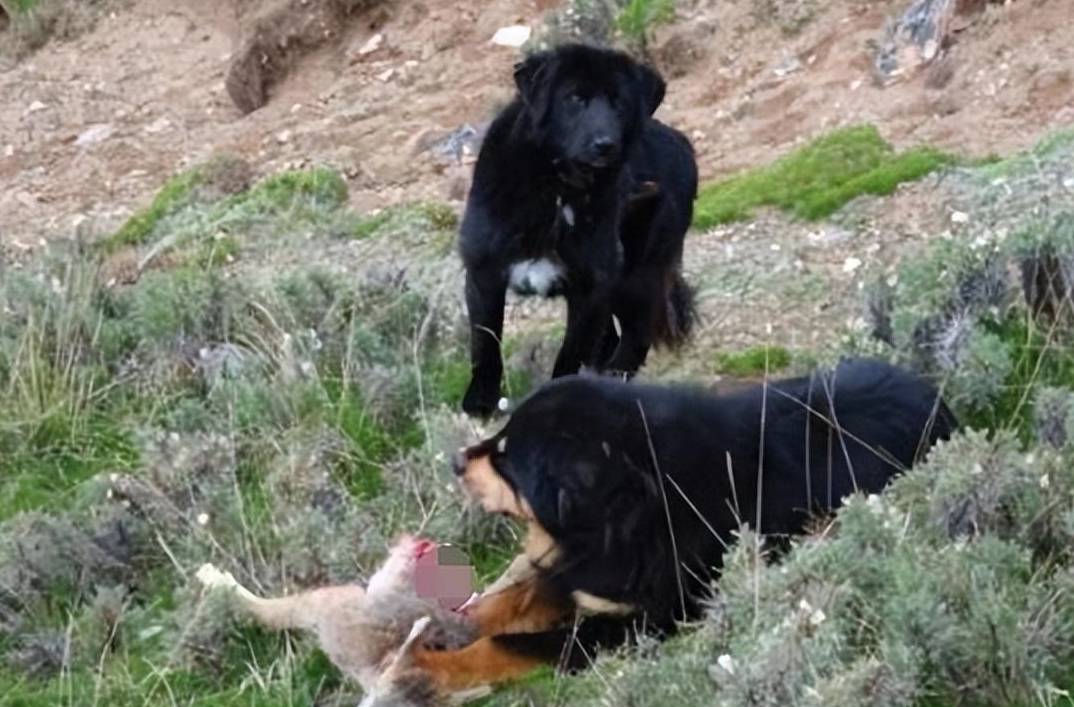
(476, 469)
(562, 461)
(586, 103)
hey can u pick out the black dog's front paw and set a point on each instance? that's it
(480, 400)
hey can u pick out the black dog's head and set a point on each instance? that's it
(587, 104)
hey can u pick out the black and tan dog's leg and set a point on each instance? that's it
(489, 660)
(522, 607)
(298, 611)
(486, 293)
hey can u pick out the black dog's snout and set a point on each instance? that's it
(604, 146)
(458, 462)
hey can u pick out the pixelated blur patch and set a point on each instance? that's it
(445, 576)
(451, 555)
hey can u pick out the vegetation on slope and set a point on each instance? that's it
(265, 412)
(26, 25)
(285, 410)
(816, 180)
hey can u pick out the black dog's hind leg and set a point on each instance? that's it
(486, 292)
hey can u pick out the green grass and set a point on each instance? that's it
(286, 202)
(175, 193)
(287, 191)
(42, 469)
(753, 361)
(637, 18)
(815, 181)
(16, 6)
(424, 216)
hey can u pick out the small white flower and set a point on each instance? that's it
(727, 663)
(851, 264)
(203, 519)
(1045, 482)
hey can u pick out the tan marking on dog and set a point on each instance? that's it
(538, 545)
(591, 605)
(539, 550)
(485, 485)
(483, 662)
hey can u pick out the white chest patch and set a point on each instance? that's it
(535, 277)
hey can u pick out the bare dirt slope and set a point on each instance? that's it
(89, 129)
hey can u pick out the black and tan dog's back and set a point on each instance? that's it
(631, 493)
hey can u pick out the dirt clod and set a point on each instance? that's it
(277, 38)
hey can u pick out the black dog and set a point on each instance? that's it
(631, 493)
(579, 192)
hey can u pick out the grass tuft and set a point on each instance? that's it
(637, 18)
(407, 217)
(753, 361)
(175, 194)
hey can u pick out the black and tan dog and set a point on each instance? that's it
(631, 494)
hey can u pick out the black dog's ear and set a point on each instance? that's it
(651, 87)
(528, 77)
(564, 508)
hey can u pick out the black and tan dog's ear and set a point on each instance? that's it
(651, 87)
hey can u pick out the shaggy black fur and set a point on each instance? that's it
(576, 174)
(608, 467)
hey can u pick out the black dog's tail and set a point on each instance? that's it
(679, 313)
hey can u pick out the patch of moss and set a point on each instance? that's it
(194, 212)
(407, 218)
(319, 187)
(880, 181)
(175, 194)
(753, 361)
(816, 180)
